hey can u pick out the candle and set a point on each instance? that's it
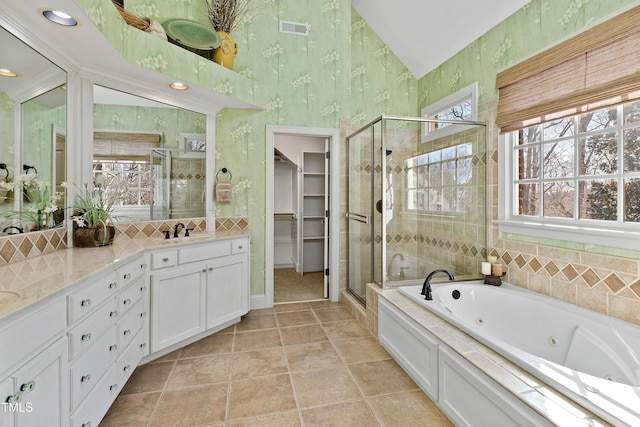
(492, 259)
(486, 268)
(496, 269)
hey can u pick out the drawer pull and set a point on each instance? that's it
(143, 345)
(113, 387)
(142, 266)
(28, 387)
(144, 313)
(14, 398)
(113, 347)
(127, 276)
(85, 378)
(114, 313)
(127, 301)
(86, 337)
(239, 246)
(113, 285)
(127, 332)
(143, 288)
(127, 368)
(204, 270)
(210, 268)
(85, 302)
(165, 259)
(87, 424)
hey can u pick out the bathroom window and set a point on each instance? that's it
(438, 181)
(128, 182)
(577, 177)
(462, 105)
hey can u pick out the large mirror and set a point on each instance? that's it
(32, 93)
(148, 156)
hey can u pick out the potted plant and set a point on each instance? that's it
(93, 217)
(225, 15)
(40, 201)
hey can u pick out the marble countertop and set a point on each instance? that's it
(41, 278)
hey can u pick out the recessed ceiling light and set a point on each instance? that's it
(178, 86)
(59, 17)
(8, 73)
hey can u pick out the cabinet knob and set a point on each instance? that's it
(113, 387)
(114, 313)
(14, 398)
(85, 378)
(143, 345)
(127, 276)
(85, 302)
(142, 266)
(86, 337)
(113, 285)
(165, 259)
(210, 268)
(28, 387)
(113, 347)
(87, 424)
(239, 246)
(144, 313)
(127, 301)
(127, 368)
(127, 332)
(204, 270)
(143, 288)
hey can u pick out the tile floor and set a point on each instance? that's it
(299, 364)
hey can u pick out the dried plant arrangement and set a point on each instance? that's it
(225, 15)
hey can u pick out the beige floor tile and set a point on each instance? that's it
(131, 410)
(148, 378)
(294, 306)
(380, 377)
(257, 363)
(346, 414)
(345, 330)
(195, 406)
(361, 350)
(323, 386)
(302, 334)
(409, 408)
(255, 340)
(200, 371)
(168, 357)
(296, 318)
(261, 396)
(282, 419)
(213, 344)
(304, 357)
(260, 312)
(253, 323)
(324, 304)
(333, 314)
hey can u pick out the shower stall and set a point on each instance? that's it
(415, 206)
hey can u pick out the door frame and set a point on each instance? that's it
(333, 134)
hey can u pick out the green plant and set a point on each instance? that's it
(93, 207)
(41, 201)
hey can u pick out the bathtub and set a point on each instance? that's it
(591, 358)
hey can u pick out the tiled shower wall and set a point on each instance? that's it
(609, 284)
(187, 187)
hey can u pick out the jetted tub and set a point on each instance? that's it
(591, 358)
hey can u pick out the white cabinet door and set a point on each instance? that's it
(42, 383)
(177, 305)
(227, 289)
(8, 407)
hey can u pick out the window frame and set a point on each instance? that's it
(469, 93)
(622, 235)
(126, 211)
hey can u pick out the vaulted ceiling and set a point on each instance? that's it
(425, 33)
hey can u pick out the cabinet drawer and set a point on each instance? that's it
(91, 366)
(200, 253)
(239, 246)
(93, 409)
(87, 332)
(131, 323)
(130, 272)
(84, 300)
(164, 259)
(130, 357)
(19, 340)
(128, 297)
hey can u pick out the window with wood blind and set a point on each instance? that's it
(570, 117)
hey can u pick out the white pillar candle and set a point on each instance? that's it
(492, 259)
(486, 268)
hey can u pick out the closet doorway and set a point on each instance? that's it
(300, 200)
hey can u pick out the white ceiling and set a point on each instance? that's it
(425, 33)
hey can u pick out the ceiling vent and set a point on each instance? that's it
(294, 28)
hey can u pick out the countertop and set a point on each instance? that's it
(39, 279)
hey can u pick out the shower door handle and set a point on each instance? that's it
(358, 217)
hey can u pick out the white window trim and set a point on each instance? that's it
(469, 93)
(587, 232)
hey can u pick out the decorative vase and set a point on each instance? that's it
(91, 237)
(224, 54)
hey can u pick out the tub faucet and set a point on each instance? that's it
(176, 229)
(426, 287)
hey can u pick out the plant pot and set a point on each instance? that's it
(91, 237)
(224, 54)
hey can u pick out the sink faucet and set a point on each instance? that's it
(176, 229)
(20, 230)
(426, 287)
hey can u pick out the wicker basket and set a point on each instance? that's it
(134, 21)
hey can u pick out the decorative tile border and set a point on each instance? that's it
(146, 229)
(19, 247)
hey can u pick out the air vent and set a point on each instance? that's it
(294, 28)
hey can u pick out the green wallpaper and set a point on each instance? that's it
(37, 135)
(537, 26)
(7, 122)
(169, 122)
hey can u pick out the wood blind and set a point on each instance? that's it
(596, 68)
(124, 145)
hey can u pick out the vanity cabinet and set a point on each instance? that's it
(208, 287)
